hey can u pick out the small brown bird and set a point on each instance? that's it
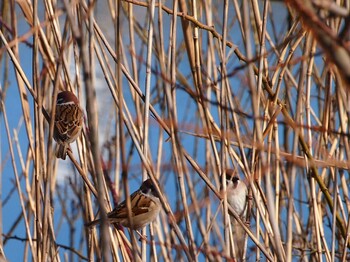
(68, 122)
(145, 207)
(237, 193)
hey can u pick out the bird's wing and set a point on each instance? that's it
(140, 204)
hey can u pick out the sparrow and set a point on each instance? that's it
(237, 193)
(68, 122)
(145, 207)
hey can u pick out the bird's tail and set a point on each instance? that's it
(93, 223)
(239, 239)
(61, 151)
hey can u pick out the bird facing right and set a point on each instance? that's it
(145, 207)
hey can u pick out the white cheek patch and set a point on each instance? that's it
(66, 103)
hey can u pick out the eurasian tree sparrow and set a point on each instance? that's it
(237, 193)
(68, 122)
(145, 207)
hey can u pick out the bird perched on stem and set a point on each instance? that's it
(68, 122)
(237, 193)
(145, 207)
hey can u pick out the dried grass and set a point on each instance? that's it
(178, 95)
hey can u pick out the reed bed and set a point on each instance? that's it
(177, 91)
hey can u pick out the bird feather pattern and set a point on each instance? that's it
(145, 207)
(68, 121)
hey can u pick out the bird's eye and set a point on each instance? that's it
(145, 190)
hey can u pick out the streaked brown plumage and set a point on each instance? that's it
(68, 121)
(145, 207)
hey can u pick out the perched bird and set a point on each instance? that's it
(68, 122)
(145, 207)
(237, 193)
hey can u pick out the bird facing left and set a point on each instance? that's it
(68, 122)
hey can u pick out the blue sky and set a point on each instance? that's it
(188, 121)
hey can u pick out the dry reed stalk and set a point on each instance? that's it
(192, 87)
